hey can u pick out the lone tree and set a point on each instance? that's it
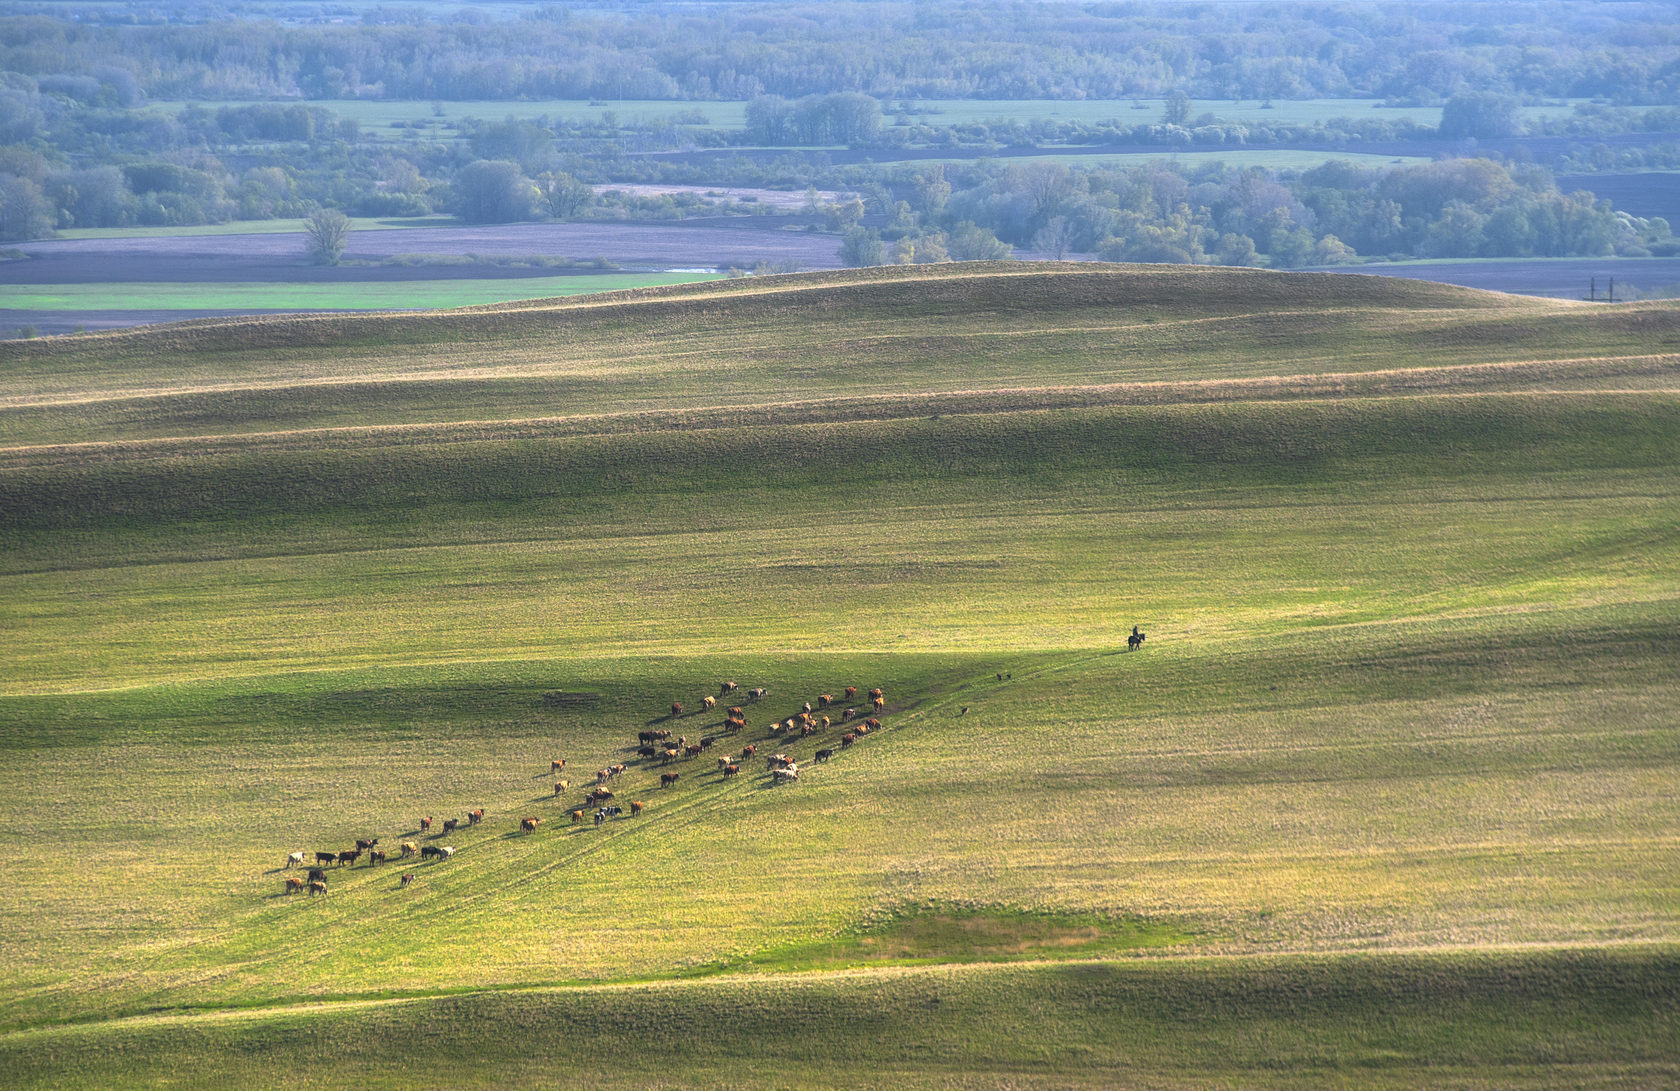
(327, 229)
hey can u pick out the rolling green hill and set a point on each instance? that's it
(1385, 798)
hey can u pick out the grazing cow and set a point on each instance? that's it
(602, 776)
(528, 825)
(876, 693)
(731, 770)
(777, 761)
(556, 765)
(872, 723)
(561, 786)
(878, 703)
(824, 700)
(778, 727)
(735, 712)
(577, 816)
(693, 750)
(316, 873)
(706, 743)
(449, 824)
(748, 751)
(597, 796)
(475, 817)
(366, 843)
(825, 722)
(725, 760)
(600, 817)
(671, 753)
(668, 779)
(861, 730)
(782, 776)
(646, 751)
(728, 687)
(758, 694)
(808, 729)
(294, 885)
(294, 859)
(646, 736)
(376, 856)
(425, 823)
(615, 811)
(448, 851)
(709, 702)
(615, 770)
(824, 755)
(325, 857)
(408, 879)
(349, 856)
(431, 852)
(636, 806)
(848, 714)
(851, 691)
(805, 719)
(676, 708)
(319, 886)
(848, 739)
(662, 734)
(409, 848)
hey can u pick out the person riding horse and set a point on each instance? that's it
(1134, 640)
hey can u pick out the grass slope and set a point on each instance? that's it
(1392, 777)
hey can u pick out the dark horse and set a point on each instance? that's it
(1134, 639)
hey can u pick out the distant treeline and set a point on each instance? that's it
(1411, 51)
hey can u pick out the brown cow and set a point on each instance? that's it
(875, 693)
(824, 700)
(561, 786)
(848, 714)
(407, 879)
(409, 848)
(528, 825)
(731, 770)
(676, 708)
(376, 856)
(348, 856)
(577, 816)
(848, 739)
(878, 702)
(851, 691)
(601, 776)
(636, 806)
(318, 886)
(872, 723)
(861, 730)
(673, 752)
(749, 751)
(475, 817)
(556, 765)
(668, 779)
(735, 713)
(425, 823)
(366, 843)
(693, 750)
(294, 885)
(728, 687)
(449, 824)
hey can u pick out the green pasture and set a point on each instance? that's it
(1385, 799)
(1235, 156)
(359, 295)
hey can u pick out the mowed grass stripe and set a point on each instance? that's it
(348, 401)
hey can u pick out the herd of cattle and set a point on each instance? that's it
(652, 745)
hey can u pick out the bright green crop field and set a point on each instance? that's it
(364, 295)
(1385, 799)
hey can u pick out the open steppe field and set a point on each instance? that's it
(1386, 798)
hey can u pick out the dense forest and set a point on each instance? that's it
(83, 145)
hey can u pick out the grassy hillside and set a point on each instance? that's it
(1386, 797)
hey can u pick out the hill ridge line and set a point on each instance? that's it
(1471, 379)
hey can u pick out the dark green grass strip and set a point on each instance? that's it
(1541, 1018)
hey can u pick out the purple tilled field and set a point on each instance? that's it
(225, 259)
(1558, 278)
